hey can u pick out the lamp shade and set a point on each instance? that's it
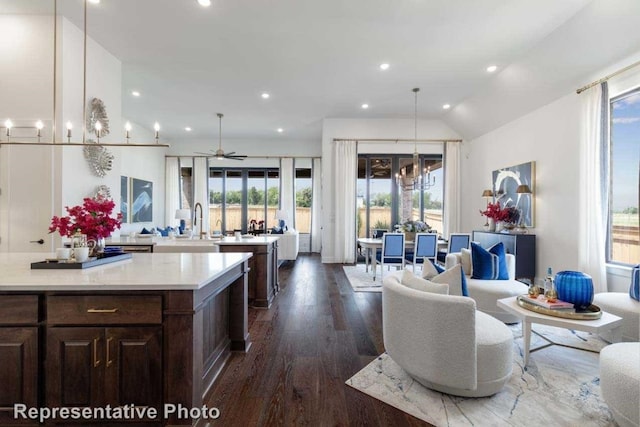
(523, 189)
(183, 213)
(487, 193)
(282, 215)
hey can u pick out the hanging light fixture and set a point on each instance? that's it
(421, 179)
(100, 130)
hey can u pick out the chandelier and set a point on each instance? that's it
(420, 178)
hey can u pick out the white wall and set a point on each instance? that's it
(369, 129)
(549, 136)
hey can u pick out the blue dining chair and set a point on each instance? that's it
(392, 253)
(457, 241)
(425, 248)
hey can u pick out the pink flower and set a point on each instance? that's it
(92, 218)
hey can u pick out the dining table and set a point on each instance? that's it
(370, 245)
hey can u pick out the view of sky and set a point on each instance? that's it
(625, 152)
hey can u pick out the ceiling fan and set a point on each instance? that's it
(219, 153)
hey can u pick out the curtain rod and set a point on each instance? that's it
(605, 78)
(250, 157)
(396, 140)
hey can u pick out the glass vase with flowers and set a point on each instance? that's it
(92, 218)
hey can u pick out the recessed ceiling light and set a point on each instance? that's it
(135, 93)
(94, 1)
(446, 106)
(188, 129)
(265, 95)
(384, 66)
(280, 130)
(205, 3)
(365, 106)
(492, 68)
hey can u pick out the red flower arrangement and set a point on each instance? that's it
(92, 218)
(507, 214)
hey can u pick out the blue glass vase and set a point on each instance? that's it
(575, 287)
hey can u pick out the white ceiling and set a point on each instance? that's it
(317, 58)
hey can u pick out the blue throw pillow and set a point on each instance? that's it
(634, 289)
(277, 230)
(489, 264)
(164, 232)
(145, 231)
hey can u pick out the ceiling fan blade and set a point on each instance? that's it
(233, 158)
(238, 156)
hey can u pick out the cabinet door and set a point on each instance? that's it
(18, 370)
(133, 367)
(75, 367)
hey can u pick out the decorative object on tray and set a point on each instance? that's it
(575, 287)
(92, 219)
(592, 312)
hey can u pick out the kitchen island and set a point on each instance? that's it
(151, 331)
(263, 266)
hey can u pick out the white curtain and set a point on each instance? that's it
(201, 192)
(593, 206)
(287, 194)
(451, 220)
(172, 190)
(316, 207)
(345, 156)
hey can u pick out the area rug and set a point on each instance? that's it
(559, 387)
(361, 280)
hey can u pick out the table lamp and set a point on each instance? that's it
(487, 194)
(522, 189)
(182, 215)
(282, 216)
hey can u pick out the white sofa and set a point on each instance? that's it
(486, 293)
(443, 342)
(620, 381)
(288, 245)
(622, 305)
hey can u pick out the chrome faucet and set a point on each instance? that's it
(195, 219)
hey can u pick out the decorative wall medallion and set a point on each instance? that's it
(103, 191)
(97, 112)
(99, 158)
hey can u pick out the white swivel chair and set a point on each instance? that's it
(443, 342)
(424, 249)
(392, 252)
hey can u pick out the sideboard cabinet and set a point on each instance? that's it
(522, 246)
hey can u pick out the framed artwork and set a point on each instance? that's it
(124, 198)
(505, 183)
(142, 200)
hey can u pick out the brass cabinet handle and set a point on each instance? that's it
(96, 362)
(109, 361)
(102, 310)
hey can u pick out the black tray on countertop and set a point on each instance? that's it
(53, 264)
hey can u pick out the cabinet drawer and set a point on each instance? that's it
(18, 309)
(104, 309)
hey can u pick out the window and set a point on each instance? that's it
(382, 202)
(238, 196)
(304, 192)
(624, 186)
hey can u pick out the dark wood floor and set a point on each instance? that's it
(316, 335)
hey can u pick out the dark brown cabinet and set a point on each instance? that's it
(18, 370)
(18, 355)
(93, 367)
(522, 246)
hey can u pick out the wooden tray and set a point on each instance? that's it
(593, 312)
(53, 264)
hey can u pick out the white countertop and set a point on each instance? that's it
(255, 240)
(165, 271)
